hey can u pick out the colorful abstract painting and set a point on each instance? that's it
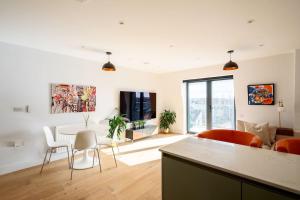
(72, 98)
(261, 94)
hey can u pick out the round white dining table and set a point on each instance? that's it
(86, 161)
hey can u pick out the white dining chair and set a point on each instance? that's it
(107, 142)
(110, 143)
(52, 145)
(85, 140)
(114, 140)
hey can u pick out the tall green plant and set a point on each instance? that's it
(167, 118)
(116, 125)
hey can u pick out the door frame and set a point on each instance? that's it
(208, 99)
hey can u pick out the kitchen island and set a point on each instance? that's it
(197, 168)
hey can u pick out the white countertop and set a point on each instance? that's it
(280, 170)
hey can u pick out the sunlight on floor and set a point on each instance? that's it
(144, 150)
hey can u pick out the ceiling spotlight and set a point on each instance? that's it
(82, 1)
(250, 21)
(230, 65)
(108, 66)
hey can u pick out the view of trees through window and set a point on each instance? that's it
(210, 105)
(223, 110)
(197, 106)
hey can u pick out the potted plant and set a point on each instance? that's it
(117, 125)
(167, 118)
(135, 125)
(142, 124)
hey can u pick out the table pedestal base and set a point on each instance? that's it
(86, 161)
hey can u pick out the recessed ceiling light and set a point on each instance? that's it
(250, 21)
(82, 1)
(121, 22)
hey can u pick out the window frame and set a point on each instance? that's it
(208, 99)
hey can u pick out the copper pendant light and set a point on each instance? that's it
(108, 66)
(230, 65)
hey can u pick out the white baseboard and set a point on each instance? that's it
(5, 169)
(13, 167)
(178, 131)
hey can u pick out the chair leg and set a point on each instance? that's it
(99, 159)
(50, 156)
(117, 147)
(72, 161)
(112, 148)
(94, 158)
(44, 161)
(68, 157)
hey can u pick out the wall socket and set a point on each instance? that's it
(18, 143)
(21, 109)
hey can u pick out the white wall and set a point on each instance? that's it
(25, 78)
(275, 69)
(26, 75)
(297, 89)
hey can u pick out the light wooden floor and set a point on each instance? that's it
(141, 182)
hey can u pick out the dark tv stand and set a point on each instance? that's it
(147, 131)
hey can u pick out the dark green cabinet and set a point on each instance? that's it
(185, 180)
(254, 192)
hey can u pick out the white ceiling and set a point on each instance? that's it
(158, 35)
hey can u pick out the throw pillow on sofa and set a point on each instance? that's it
(261, 130)
(272, 132)
(240, 126)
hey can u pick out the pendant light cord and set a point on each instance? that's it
(230, 52)
(108, 54)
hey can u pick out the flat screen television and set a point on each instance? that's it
(138, 105)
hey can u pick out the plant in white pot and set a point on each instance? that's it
(167, 118)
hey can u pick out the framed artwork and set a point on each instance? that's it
(261, 94)
(72, 98)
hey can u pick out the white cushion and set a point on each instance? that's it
(272, 132)
(261, 130)
(240, 125)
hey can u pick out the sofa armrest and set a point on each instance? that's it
(256, 142)
(282, 146)
(282, 149)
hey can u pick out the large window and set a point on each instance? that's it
(210, 104)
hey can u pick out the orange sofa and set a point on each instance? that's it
(289, 145)
(232, 136)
